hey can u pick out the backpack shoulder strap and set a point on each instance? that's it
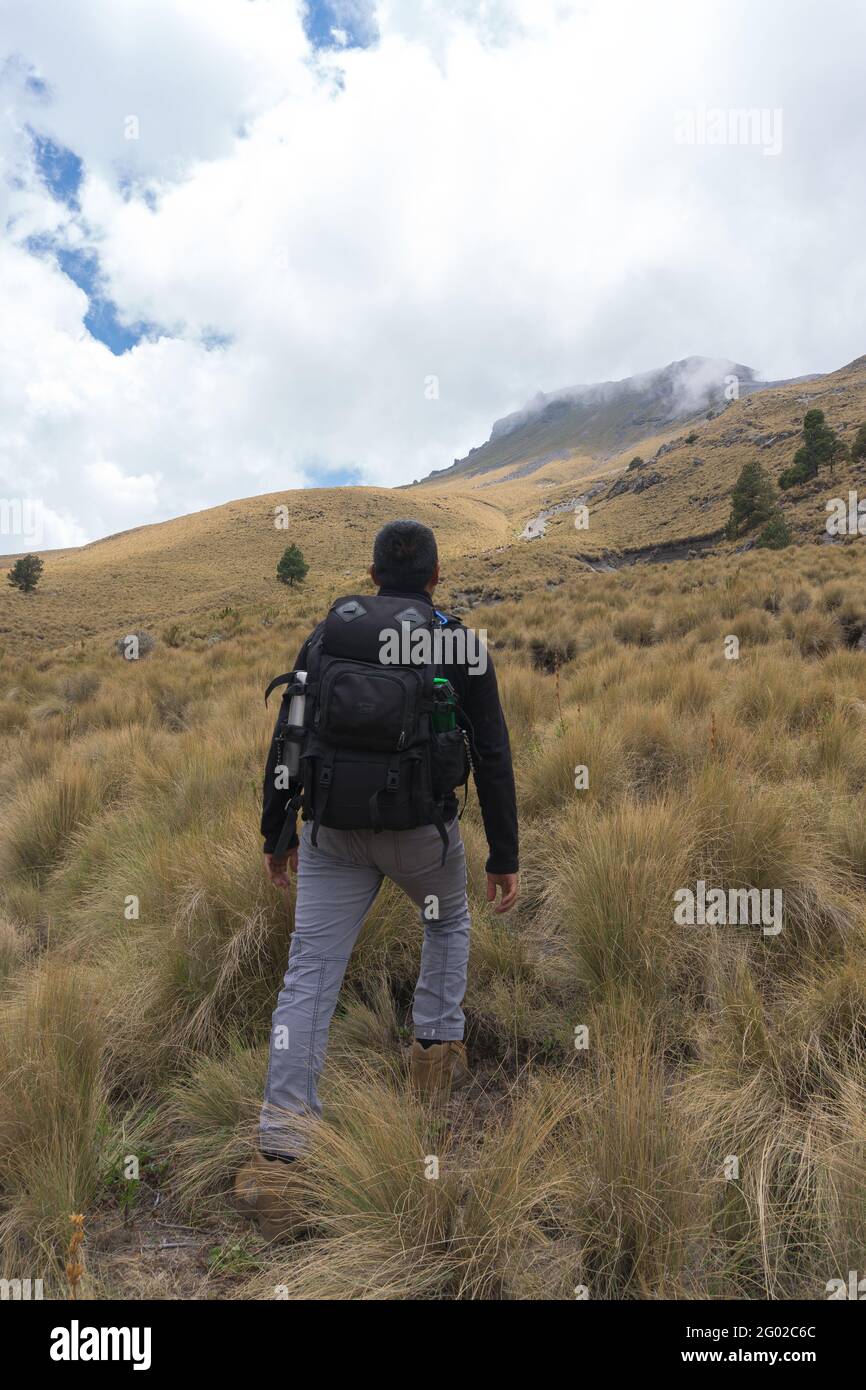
(279, 680)
(448, 619)
(314, 638)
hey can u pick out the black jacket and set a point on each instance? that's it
(494, 776)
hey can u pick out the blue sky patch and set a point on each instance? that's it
(212, 340)
(59, 168)
(129, 187)
(336, 477)
(36, 86)
(62, 172)
(102, 320)
(336, 24)
(16, 69)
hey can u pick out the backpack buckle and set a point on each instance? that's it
(392, 781)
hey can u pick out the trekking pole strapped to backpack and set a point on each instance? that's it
(290, 732)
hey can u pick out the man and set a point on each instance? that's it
(339, 873)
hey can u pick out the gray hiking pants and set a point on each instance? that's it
(337, 884)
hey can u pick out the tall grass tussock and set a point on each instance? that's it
(659, 1110)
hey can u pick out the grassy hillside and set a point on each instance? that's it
(607, 1166)
(679, 493)
(699, 465)
(193, 567)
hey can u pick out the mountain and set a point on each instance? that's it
(602, 419)
(503, 530)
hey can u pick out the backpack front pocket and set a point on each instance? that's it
(368, 709)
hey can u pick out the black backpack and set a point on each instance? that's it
(370, 758)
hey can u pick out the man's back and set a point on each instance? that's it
(474, 682)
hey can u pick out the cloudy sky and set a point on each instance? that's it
(255, 244)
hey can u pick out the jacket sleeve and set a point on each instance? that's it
(274, 799)
(494, 775)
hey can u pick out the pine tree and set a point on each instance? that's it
(26, 573)
(752, 500)
(292, 566)
(858, 448)
(821, 446)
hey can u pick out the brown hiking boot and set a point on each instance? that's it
(438, 1069)
(267, 1191)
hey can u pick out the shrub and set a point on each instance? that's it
(752, 500)
(292, 566)
(551, 655)
(635, 627)
(80, 687)
(793, 476)
(821, 446)
(815, 633)
(26, 573)
(776, 534)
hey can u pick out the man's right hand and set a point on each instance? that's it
(276, 868)
(508, 884)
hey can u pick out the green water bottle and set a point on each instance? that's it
(444, 715)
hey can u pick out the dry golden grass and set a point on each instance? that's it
(563, 1166)
(189, 571)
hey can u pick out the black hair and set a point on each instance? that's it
(405, 555)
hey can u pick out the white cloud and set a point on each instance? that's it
(123, 490)
(492, 194)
